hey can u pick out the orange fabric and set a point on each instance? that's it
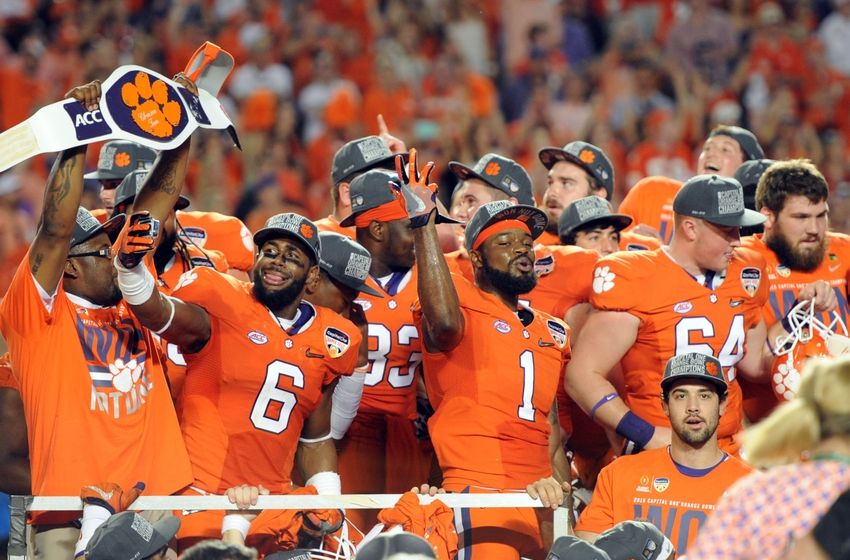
(548, 238)
(564, 276)
(650, 202)
(128, 424)
(497, 228)
(459, 263)
(332, 224)
(785, 285)
(211, 230)
(249, 390)
(492, 393)
(631, 241)
(650, 486)
(101, 214)
(434, 522)
(8, 379)
(670, 303)
(259, 111)
(649, 158)
(394, 210)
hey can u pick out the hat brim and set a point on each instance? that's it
(164, 531)
(619, 221)
(376, 164)
(464, 173)
(361, 287)
(721, 386)
(111, 227)
(263, 235)
(748, 219)
(102, 175)
(515, 212)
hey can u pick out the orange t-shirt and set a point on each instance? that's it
(785, 283)
(650, 202)
(394, 347)
(332, 224)
(650, 486)
(90, 418)
(211, 230)
(492, 393)
(249, 390)
(677, 315)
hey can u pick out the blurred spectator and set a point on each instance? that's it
(834, 31)
(314, 98)
(261, 72)
(662, 153)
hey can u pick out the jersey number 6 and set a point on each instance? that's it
(271, 393)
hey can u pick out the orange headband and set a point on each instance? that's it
(498, 227)
(392, 210)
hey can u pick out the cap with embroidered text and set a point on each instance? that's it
(87, 226)
(635, 539)
(588, 211)
(500, 173)
(694, 365)
(715, 199)
(290, 224)
(129, 535)
(346, 261)
(361, 155)
(499, 210)
(119, 157)
(587, 156)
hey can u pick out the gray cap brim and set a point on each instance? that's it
(104, 175)
(747, 219)
(362, 287)
(111, 227)
(619, 221)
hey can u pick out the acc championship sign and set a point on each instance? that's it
(136, 104)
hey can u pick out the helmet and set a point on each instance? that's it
(809, 338)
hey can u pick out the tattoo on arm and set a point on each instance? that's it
(58, 188)
(36, 263)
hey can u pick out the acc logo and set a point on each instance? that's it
(603, 279)
(501, 326)
(558, 332)
(87, 124)
(336, 341)
(257, 337)
(750, 280)
(661, 484)
(683, 307)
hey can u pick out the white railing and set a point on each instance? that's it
(22, 504)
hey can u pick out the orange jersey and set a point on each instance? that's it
(631, 241)
(460, 264)
(211, 230)
(677, 314)
(332, 224)
(548, 238)
(175, 363)
(394, 347)
(650, 202)
(564, 274)
(249, 390)
(94, 392)
(8, 380)
(492, 393)
(785, 283)
(650, 486)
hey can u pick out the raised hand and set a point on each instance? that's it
(87, 94)
(110, 496)
(137, 239)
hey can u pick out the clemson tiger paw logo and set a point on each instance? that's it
(603, 279)
(124, 376)
(151, 110)
(786, 381)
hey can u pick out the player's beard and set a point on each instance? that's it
(114, 296)
(280, 298)
(506, 282)
(794, 258)
(699, 437)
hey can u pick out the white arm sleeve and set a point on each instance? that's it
(345, 401)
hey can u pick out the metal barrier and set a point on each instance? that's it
(22, 504)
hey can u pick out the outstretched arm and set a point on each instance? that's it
(61, 200)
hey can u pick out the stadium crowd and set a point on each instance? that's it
(324, 310)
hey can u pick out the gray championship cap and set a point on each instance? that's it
(500, 173)
(574, 548)
(290, 224)
(129, 535)
(130, 186)
(87, 226)
(715, 199)
(373, 189)
(746, 139)
(386, 545)
(361, 155)
(499, 210)
(694, 365)
(346, 261)
(587, 156)
(635, 539)
(588, 211)
(119, 157)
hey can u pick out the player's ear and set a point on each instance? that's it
(377, 230)
(689, 228)
(475, 259)
(71, 270)
(771, 217)
(344, 194)
(313, 278)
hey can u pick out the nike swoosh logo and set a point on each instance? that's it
(314, 355)
(834, 268)
(735, 303)
(543, 344)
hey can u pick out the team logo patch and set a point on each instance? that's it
(196, 235)
(544, 265)
(558, 331)
(336, 341)
(661, 484)
(712, 298)
(683, 307)
(501, 326)
(783, 271)
(603, 279)
(750, 280)
(364, 303)
(257, 337)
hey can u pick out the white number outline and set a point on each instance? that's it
(405, 335)
(270, 392)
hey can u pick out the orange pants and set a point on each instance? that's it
(500, 533)
(380, 454)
